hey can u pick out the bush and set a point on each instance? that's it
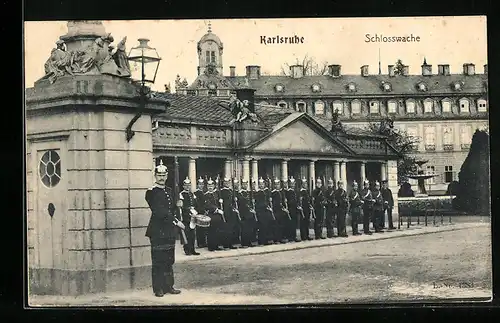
(405, 190)
(420, 205)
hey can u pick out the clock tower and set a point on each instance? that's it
(210, 54)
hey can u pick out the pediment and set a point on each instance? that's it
(299, 137)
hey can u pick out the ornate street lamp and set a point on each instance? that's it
(144, 62)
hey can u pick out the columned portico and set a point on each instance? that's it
(363, 171)
(255, 170)
(312, 173)
(228, 169)
(284, 170)
(192, 172)
(336, 171)
(383, 170)
(343, 173)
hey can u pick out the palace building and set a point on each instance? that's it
(441, 110)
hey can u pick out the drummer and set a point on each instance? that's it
(188, 199)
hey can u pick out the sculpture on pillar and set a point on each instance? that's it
(240, 110)
(97, 58)
(336, 124)
(387, 126)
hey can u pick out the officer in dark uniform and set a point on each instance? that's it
(355, 204)
(292, 204)
(378, 207)
(331, 208)
(201, 233)
(188, 204)
(319, 204)
(388, 203)
(228, 234)
(366, 197)
(162, 232)
(305, 205)
(212, 205)
(247, 215)
(342, 206)
(278, 205)
(264, 214)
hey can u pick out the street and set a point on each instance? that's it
(451, 264)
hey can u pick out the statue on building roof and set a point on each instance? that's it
(240, 110)
(336, 124)
(59, 62)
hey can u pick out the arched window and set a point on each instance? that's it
(300, 106)
(264, 103)
(481, 105)
(319, 107)
(355, 107)
(464, 105)
(391, 107)
(374, 107)
(428, 105)
(339, 106)
(282, 104)
(410, 106)
(446, 105)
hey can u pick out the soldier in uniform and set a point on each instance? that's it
(228, 234)
(263, 214)
(305, 205)
(292, 206)
(247, 214)
(162, 232)
(342, 205)
(378, 208)
(188, 204)
(366, 197)
(278, 205)
(319, 204)
(212, 205)
(355, 204)
(201, 233)
(331, 208)
(388, 203)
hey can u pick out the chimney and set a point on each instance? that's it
(364, 70)
(253, 72)
(296, 71)
(334, 70)
(426, 69)
(406, 70)
(390, 69)
(444, 69)
(485, 68)
(469, 69)
(232, 71)
(246, 93)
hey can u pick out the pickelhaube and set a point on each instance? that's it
(340, 182)
(210, 181)
(227, 179)
(161, 169)
(200, 180)
(244, 180)
(354, 183)
(366, 182)
(377, 183)
(235, 181)
(187, 180)
(261, 180)
(276, 180)
(330, 181)
(291, 180)
(318, 180)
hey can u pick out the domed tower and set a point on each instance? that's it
(210, 53)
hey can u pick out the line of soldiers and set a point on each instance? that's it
(263, 216)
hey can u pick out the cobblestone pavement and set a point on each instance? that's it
(432, 263)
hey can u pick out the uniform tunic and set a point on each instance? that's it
(264, 215)
(248, 221)
(331, 209)
(215, 229)
(201, 233)
(278, 206)
(305, 203)
(388, 205)
(188, 201)
(318, 197)
(293, 224)
(378, 209)
(366, 196)
(355, 209)
(231, 228)
(162, 233)
(343, 203)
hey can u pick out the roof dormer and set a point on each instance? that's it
(386, 86)
(457, 85)
(316, 88)
(422, 86)
(280, 88)
(351, 87)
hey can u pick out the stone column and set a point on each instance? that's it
(284, 169)
(192, 172)
(228, 168)
(383, 170)
(312, 174)
(363, 173)
(392, 181)
(336, 171)
(245, 164)
(255, 170)
(343, 173)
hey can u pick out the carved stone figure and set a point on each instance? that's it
(336, 124)
(387, 126)
(59, 62)
(241, 111)
(120, 58)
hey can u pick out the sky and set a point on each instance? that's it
(443, 40)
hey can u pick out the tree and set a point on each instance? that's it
(402, 142)
(309, 66)
(473, 194)
(398, 67)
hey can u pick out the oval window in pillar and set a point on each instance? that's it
(50, 168)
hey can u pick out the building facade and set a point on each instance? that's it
(441, 110)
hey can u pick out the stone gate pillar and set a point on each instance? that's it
(87, 214)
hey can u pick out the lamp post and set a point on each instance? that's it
(144, 62)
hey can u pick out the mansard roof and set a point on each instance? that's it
(365, 85)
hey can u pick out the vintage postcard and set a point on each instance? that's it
(257, 161)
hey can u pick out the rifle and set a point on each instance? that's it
(269, 205)
(218, 195)
(235, 203)
(252, 210)
(285, 208)
(182, 233)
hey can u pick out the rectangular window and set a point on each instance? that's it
(356, 107)
(339, 107)
(481, 106)
(430, 170)
(213, 57)
(301, 107)
(430, 138)
(428, 106)
(207, 56)
(410, 107)
(446, 106)
(447, 138)
(448, 174)
(413, 133)
(391, 107)
(319, 108)
(465, 136)
(374, 107)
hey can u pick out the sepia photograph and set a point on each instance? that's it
(257, 161)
